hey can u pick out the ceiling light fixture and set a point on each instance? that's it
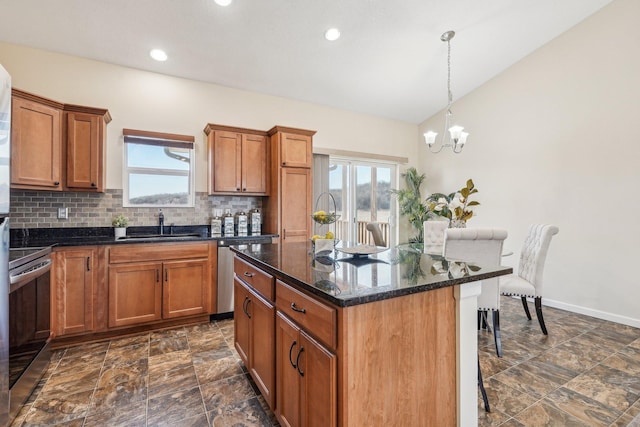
(223, 2)
(456, 138)
(332, 34)
(158, 55)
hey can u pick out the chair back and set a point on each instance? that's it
(483, 246)
(434, 235)
(534, 254)
(376, 233)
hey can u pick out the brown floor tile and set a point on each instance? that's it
(63, 407)
(541, 414)
(210, 366)
(611, 387)
(506, 399)
(129, 415)
(248, 413)
(70, 382)
(173, 408)
(627, 360)
(219, 394)
(171, 372)
(589, 411)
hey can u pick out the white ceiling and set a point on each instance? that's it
(389, 61)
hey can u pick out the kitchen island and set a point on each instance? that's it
(385, 339)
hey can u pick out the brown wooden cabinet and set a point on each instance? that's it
(306, 378)
(36, 142)
(238, 161)
(75, 278)
(149, 283)
(254, 323)
(57, 146)
(287, 211)
(85, 149)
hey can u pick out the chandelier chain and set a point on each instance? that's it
(449, 94)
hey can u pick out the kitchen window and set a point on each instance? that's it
(158, 169)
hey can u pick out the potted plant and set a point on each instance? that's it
(410, 202)
(120, 223)
(455, 206)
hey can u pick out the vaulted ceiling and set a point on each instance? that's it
(388, 62)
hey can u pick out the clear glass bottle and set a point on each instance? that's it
(228, 223)
(241, 217)
(255, 220)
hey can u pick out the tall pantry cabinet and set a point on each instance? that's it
(287, 211)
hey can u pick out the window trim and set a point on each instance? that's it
(132, 136)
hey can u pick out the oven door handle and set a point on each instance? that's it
(25, 276)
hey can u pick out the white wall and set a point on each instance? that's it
(554, 139)
(149, 101)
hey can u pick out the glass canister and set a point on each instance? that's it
(241, 218)
(255, 220)
(216, 226)
(228, 223)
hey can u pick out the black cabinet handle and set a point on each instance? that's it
(237, 188)
(244, 189)
(166, 275)
(299, 310)
(93, 184)
(293, 344)
(88, 263)
(247, 274)
(298, 362)
(246, 306)
(284, 163)
(56, 183)
(157, 275)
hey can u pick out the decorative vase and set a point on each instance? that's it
(457, 223)
(120, 232)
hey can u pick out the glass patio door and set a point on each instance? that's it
(362, 193)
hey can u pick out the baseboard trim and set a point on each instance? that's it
(593, 313)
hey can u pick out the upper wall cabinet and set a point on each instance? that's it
(238, 161)
(296, 149)
(57, 147)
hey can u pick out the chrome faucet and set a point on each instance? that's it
(161, 221)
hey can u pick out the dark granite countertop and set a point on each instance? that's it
(346, 281)
(83, 236)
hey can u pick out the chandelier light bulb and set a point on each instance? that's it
(430, 137)
(463, 138)
(455, 132)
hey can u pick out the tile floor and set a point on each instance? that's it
(585, 373)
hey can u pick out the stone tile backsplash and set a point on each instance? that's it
(39, 209)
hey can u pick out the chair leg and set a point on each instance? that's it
(538, 303)
(482, 390)
(496, 331)
(526, 307)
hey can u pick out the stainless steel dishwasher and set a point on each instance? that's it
(225, 270)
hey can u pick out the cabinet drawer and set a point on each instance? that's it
(313, 316)
(157, 251)
(258, 279)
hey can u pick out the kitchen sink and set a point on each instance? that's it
(160, 236)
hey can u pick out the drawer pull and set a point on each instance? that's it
(247, 274)
(299, 310)
(88, 263)
(293, 344)
(298, 362)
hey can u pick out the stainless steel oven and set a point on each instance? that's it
(29, 321)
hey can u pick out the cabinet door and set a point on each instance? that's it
(185, 291)
(241, 320)
(135, 293)
(254, 164)
(318, 372)
(295, 204)
(84, 151)
(75, 276)
(262, 356)
(227, 164)
(295, 150)
(288, 382)
(36, 145)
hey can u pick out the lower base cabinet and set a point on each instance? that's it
(306, 378)
(254, 331)
(135, 293)
(74, 278)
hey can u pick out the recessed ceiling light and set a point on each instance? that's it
(223, 2)
(332, 34)
(158, 54)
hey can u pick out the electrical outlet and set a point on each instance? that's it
(63, 213)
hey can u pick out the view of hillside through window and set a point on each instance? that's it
(158, 176)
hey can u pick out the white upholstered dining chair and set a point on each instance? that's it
(376, 233)
(433, 235)
(527, 283)
(483, 246)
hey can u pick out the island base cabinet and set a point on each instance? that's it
(306, 373)
(254, 322)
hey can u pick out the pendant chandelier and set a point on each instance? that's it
(455, 137)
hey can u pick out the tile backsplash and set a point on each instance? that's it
(39, 209)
